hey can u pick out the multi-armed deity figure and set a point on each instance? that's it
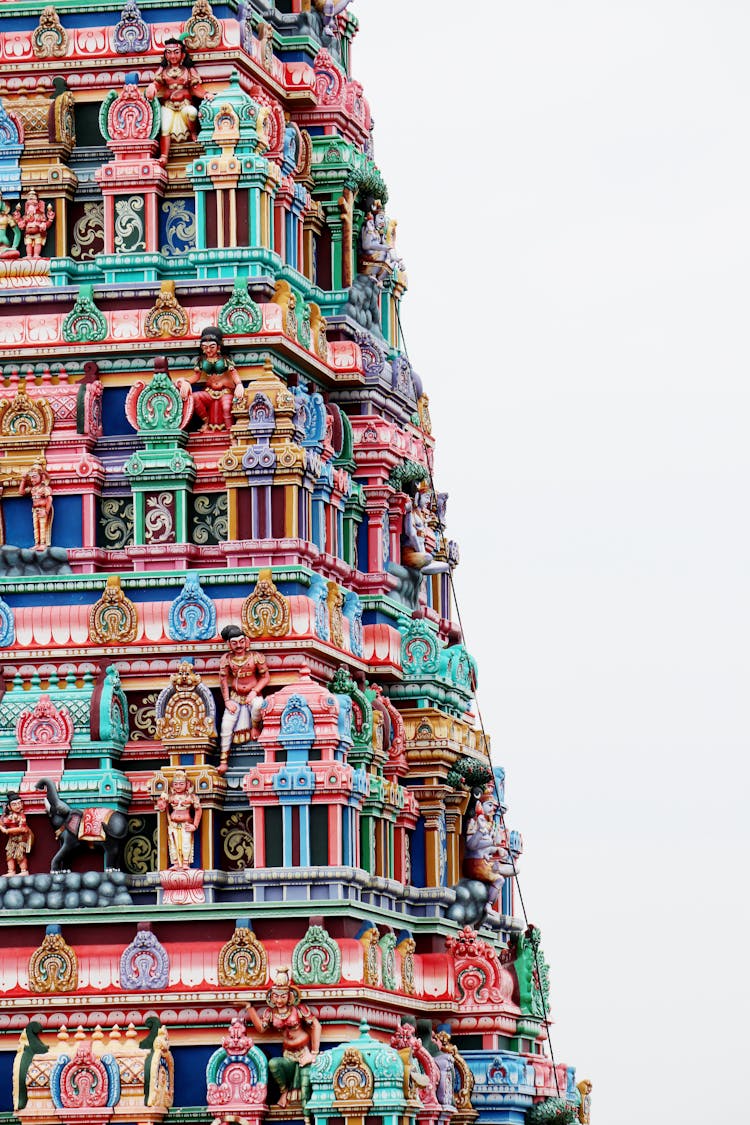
(487, 857)
(37, 483)
(300, 1036)
(176, 84)
(183, 809)
(35, 221)
(243, 675)
(377, 242)
(223, 385)
(20, 837)
(413, 551)
(10, 232)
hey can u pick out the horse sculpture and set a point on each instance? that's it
(97, 826)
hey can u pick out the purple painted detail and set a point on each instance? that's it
(144, 964)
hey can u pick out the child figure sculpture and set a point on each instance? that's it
(20, 837)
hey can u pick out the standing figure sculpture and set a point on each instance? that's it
(37, 483)
(223, 385)
(20, 837)
(8, 227)
(176, 84)
(184, 812)
(243, 674)
(300, 1037)
(34, 222)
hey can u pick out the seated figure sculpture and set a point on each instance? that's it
(300, 1037)
(176, 83)
(487, 857)
(243, 674)
(377, 243)
(413, 551)
(223, 385)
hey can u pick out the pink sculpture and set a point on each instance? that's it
(34, 222)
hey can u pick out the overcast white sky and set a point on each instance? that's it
(572, 184)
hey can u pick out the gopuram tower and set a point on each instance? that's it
(258, 867)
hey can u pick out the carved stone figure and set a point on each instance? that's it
(176, 84)
(35, 221)
(10, 232)
(243, 674)
(223, 385)
(20, 837)
(37, 483)
(184, 812)
(300, 1037)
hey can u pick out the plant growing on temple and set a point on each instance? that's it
(469, 774)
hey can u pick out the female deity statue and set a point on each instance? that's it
(184, 812)
(300, 1037)
(176, 83)
(223, 385)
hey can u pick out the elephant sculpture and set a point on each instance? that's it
(96, 826)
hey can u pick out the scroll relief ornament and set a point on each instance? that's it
(114, 618)
(265, 613)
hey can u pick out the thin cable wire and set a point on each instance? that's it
(441, 530)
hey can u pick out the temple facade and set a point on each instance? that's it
(258, 863)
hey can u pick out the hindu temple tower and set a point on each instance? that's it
(258, 863)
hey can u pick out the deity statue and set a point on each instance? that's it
(300, 1037)
(487, 857)
(10, 232)
(223, 384)
(584, 1109)
(20, 837)
(330, 11)
(184, 812)
(416, 524)
(34, 222)
(377, 242)
(243, 674)
(176, 83)
(37, 483)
